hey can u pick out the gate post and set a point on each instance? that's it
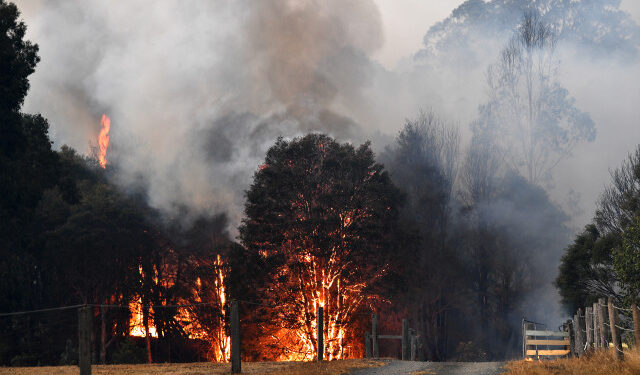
(374, 335)
(367, 344)
(320, 333)
(405, 340)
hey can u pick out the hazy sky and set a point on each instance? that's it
(407, 21)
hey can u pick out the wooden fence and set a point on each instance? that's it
(538, 344)
(594, 327)
(411, 341)
(600, 326)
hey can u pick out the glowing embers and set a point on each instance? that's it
(103, 140)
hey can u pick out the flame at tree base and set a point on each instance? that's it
(191, 314)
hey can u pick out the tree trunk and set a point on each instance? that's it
(145, 320)
(103, 335)
(636, 323)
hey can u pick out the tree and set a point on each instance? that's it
(323, 215)
(626, 261)
(423, 162)
(599, 28)
(18, 58)
(620, 201)
(531, 116)
(585, 270)
(27, 163)
(205, 249)
(601, 259)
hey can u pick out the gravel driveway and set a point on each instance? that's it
(394, 367)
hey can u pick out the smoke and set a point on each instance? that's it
(598, 49)
(198, 91)
(598, 52)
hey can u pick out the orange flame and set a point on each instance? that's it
(214, 295)
(103, 140)
(136, 325)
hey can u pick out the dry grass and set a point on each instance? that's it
(284, 368)
(599, 362)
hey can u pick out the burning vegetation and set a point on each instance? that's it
(321, 216)
(103, 140)
(317, 234)
(443, 234)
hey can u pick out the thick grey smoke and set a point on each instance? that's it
(198, 91)
(597, 47)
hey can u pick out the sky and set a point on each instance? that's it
(405, 23)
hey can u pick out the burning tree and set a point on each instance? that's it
(322, 215)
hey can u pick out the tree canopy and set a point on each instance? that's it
(603, 260)
(323, 215)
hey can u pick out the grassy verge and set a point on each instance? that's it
(597, 363)
(285, 368)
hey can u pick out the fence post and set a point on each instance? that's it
(596, 326)
(588, 319)
(615, 332)
(579, 333)
(576, 335)
(320, 333)
(84, 340)
(374, 335)
(405, 340)
(367, 344)
(601, 314)
(414, 346)
(636, 323)
(419, 348)
(572, 339)
(236, 365)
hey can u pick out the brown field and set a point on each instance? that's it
(598, 363)
(285, 368)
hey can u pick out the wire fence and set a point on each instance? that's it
(605, 325)
(52, 335)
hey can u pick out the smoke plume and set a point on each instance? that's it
(197, 92)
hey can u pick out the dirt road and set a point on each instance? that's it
(434, 368)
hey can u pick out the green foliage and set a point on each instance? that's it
(604, 260)
(18, 58)
(586, 268)
(627, 260)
